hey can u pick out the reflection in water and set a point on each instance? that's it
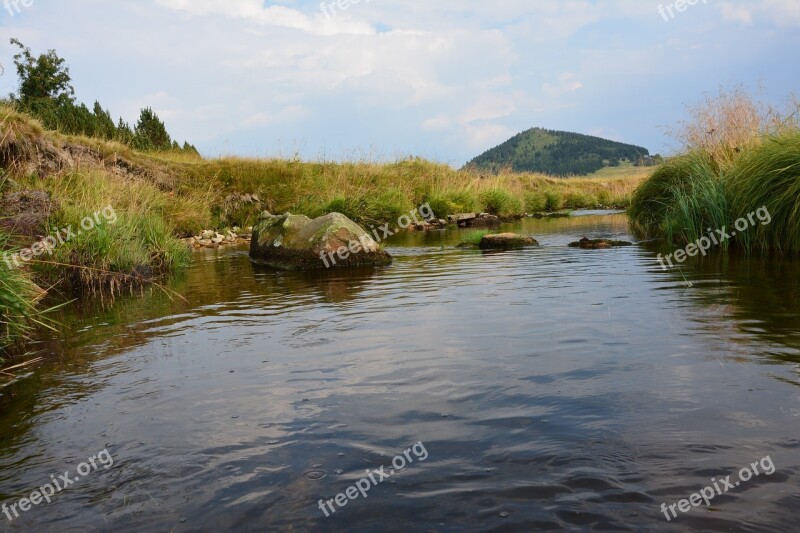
(553, 388)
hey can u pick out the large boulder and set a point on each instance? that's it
(506, 241)
(295, 242)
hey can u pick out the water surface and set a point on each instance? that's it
(553, 389)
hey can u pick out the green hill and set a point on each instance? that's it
(558, 153)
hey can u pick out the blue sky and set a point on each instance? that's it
(380, 79)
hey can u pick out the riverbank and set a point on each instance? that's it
(740, 157)
(58, 194)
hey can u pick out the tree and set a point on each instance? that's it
(43, 77)
(150, 132)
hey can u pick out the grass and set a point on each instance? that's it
(124, 231)
(18, 311)
(158, 197)
(750, 164)
(473, 238)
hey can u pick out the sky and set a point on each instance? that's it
(387, 79)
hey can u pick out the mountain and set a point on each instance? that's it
(559, 153)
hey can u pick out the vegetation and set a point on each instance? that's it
(46, 93)
(79, 162)
(18, 312)
(558, 153)
(473, 238)
(739, 157)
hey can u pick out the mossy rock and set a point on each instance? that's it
(506, 241)
(296, 242)
(598, 244)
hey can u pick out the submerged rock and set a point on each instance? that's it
(506, 241)
(598, 244)
(295, 242)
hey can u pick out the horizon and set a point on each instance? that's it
(284, 79)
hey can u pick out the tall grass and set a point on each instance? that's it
(136, 244)
(769, 176)
(692, 194)
(672, 202)
(18, 311)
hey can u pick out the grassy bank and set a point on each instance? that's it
(379, 192)
(742, 163)
(158, 197)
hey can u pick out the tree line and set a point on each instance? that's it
(46, 93)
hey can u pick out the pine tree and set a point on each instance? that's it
(150, 132)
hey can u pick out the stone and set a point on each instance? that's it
(598, 244)
(462, 217)
(506, 241)
(485, 220)
(295, 242)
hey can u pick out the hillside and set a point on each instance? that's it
(558, 153)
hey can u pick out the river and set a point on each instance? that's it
(550, 389)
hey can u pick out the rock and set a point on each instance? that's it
(238, 207)
(551, 215)
(598, 244)
(484, 220)
(295, 242)
(461, 219)
(207, 235)
(506, 241)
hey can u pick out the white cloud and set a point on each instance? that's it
(437, 123)
(275, 15)
(489, 107)
(736, 13)
(286, 115)
(483, 136)
(566, 84)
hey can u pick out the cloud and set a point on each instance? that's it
(566, 84)
(736, 13)
(482, 136)
(275, 15)
(286, 115)
(489, 107)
